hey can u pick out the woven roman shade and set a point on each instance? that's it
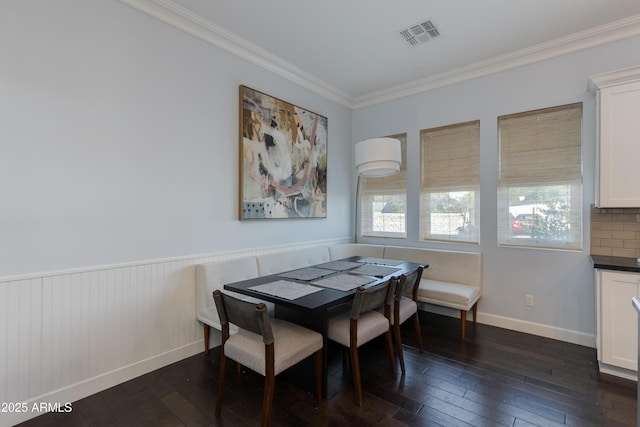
(451, 157)
(541, 146)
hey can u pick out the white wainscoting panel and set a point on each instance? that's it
(66, 335)
(20, 339)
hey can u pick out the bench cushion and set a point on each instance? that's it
(445, 266)
(448, 294)
(453, 279)
(346, 250)
(214, 275)
(290, 260)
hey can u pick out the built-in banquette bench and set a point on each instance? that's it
(453, 279)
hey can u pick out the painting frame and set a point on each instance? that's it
(283, 159)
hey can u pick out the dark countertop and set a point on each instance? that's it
(615, 263)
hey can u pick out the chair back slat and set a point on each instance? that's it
(367, 299)
(246, 315)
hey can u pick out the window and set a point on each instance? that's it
(540, 182)
(383, 201)
(450, 196)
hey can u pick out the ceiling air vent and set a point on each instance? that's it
(420, 33)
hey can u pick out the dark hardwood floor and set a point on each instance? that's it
(495, 377)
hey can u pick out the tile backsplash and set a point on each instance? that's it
(615, 232)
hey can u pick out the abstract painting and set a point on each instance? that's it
(283, 159)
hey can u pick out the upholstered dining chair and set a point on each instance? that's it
(265, 345)
(363, 323)
(405, 307)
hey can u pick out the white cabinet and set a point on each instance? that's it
(617, 329)
(618, 138)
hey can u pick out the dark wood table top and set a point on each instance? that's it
(323, 299)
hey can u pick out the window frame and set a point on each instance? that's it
(465, 137)
(393, 186)
(542, 155)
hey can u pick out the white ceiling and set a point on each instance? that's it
(352, 49)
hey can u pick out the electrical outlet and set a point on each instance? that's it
(528, 300)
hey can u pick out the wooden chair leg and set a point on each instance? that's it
(392, 359)
(238, 368)
(416, 325)
(269, 384)
(475, 313)
(318, 369)
(398, 338)
(355, 369)
(220, 383)
(206, 338)
(463, 323)
(267, 401)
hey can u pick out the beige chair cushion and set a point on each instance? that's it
(448, 294)
(371, 324)
(292, 344)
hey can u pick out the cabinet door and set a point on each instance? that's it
(619, 146)
(619, 319)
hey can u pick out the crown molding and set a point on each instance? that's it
(175, 15)
(597, 36)
(613, 78)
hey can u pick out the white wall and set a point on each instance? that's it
(119, 141)
(118, 172)
(561, 282)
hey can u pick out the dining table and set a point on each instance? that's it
(307, 295)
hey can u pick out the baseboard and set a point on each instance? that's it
(539, 329)
(618, 372)
(567, 335)
(74, 392)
